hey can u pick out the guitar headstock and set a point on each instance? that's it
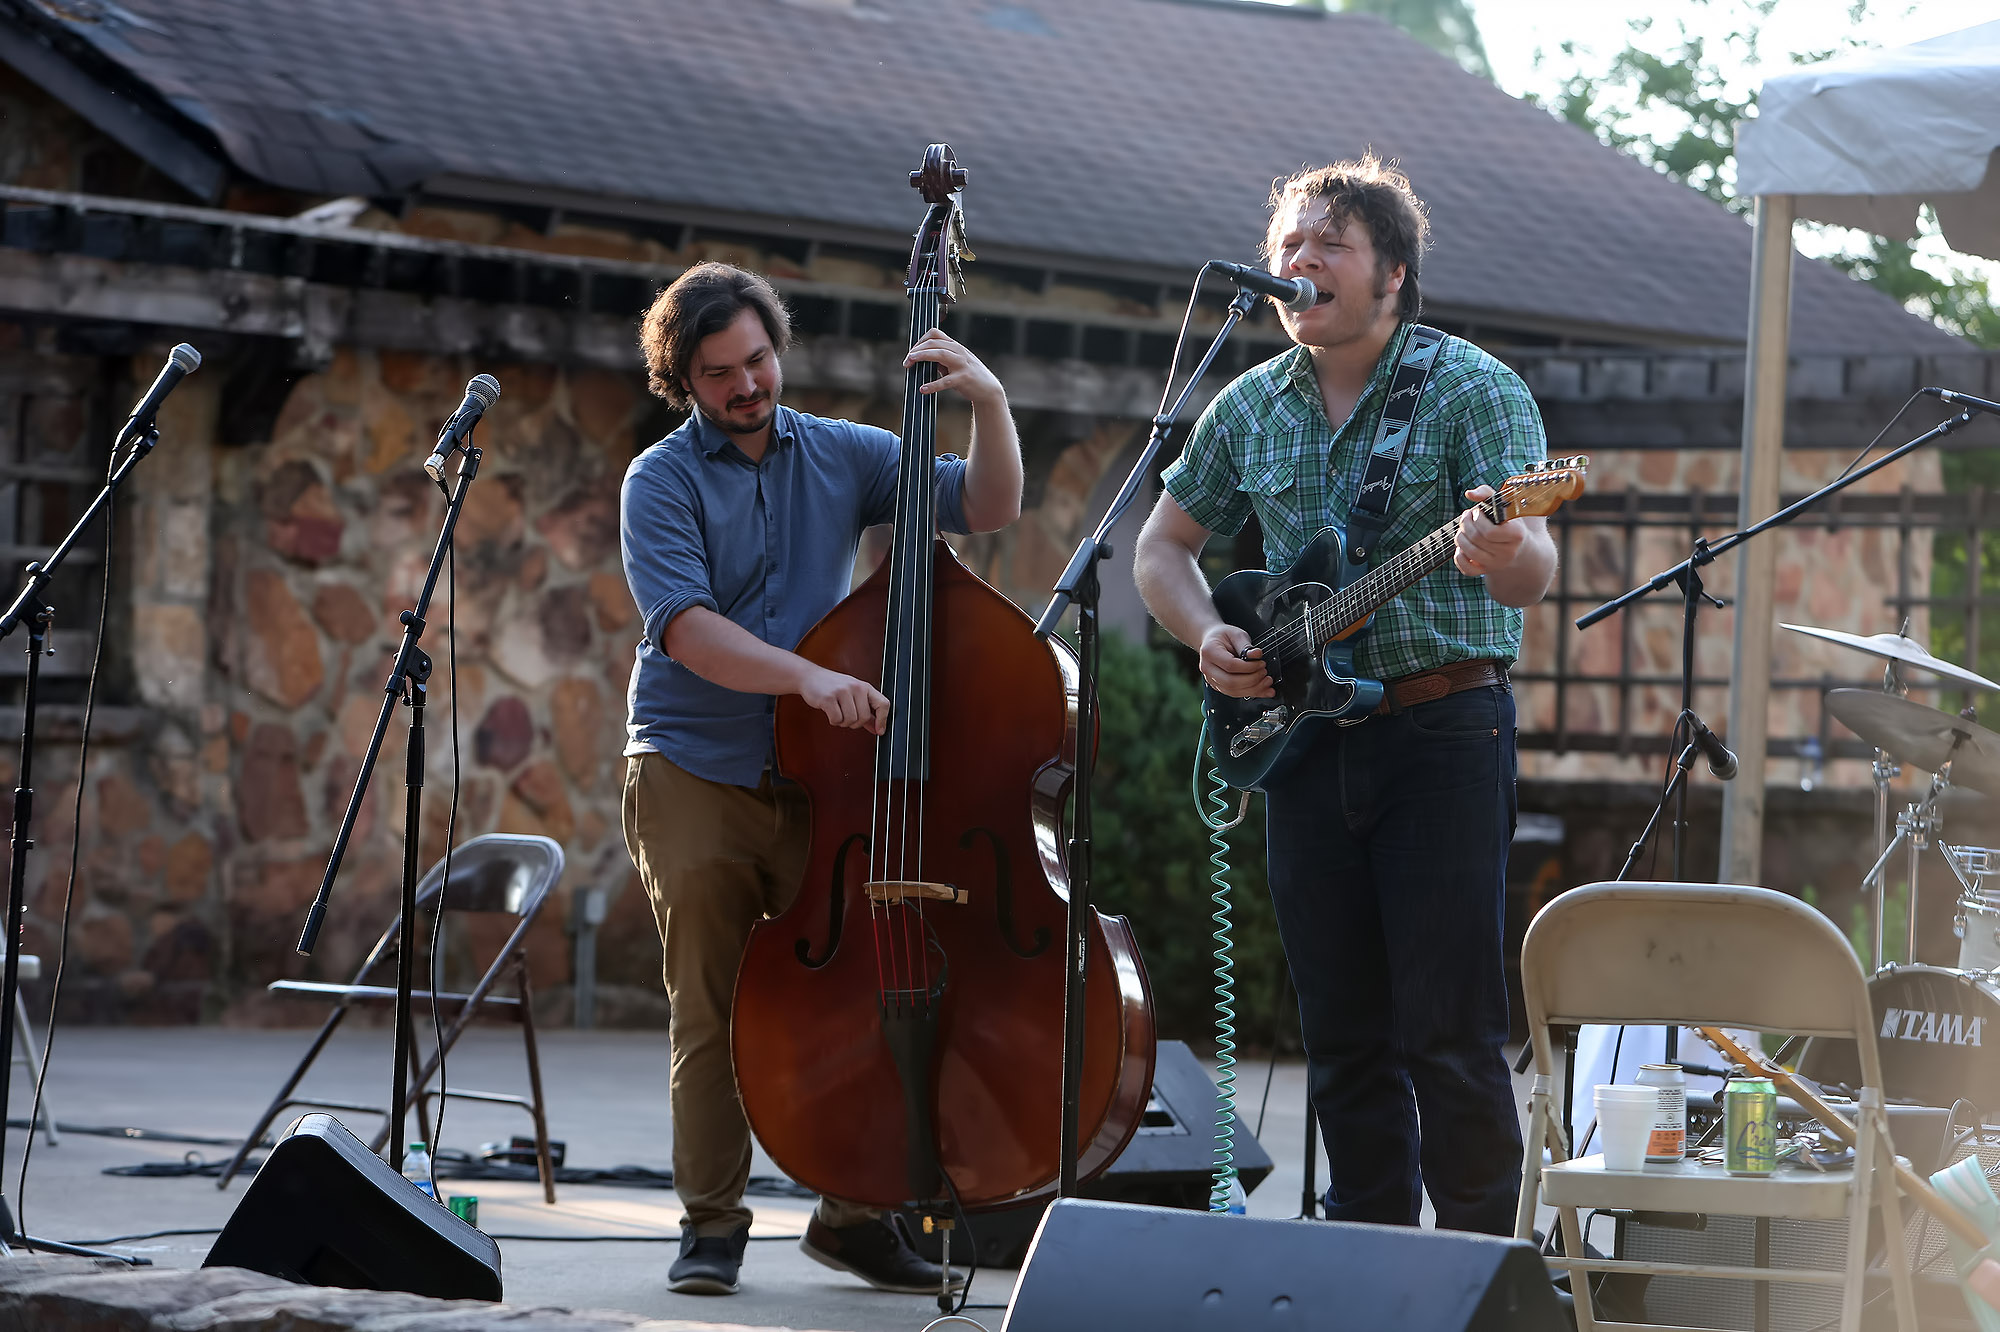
(1542, 489)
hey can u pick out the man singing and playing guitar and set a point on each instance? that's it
(1387, 833)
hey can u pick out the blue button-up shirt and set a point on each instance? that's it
(769, 544)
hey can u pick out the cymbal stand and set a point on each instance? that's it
(1919, 822)
(1885, 771)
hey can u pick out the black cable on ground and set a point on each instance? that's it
(459, 1166)
(674, 1238)
(139, 1134)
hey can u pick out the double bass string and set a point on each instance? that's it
(921, 450)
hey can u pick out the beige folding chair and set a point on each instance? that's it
(27, 1050)
(1703, 955)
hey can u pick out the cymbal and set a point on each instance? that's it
(1897, 647)
(1920, 736)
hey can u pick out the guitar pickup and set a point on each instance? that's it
(1257, 732)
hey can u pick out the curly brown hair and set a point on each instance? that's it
(706, 299)
(1379, 195)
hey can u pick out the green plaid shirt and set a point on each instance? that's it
(1265, 446)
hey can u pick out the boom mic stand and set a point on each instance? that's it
(1687, 576)
(1079, 583)
(408, 683)
(32, 609)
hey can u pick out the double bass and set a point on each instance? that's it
(897, 1031)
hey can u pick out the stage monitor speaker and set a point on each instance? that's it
(1097, 1265)
(1168, 1163)
(325, 1211)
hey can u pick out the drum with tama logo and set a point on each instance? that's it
(1935, 1030)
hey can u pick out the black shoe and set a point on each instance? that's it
(708, 1263)
(878, 1252)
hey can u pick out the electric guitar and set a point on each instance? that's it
(1309, 624)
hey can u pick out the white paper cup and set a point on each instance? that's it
(1625, 1117)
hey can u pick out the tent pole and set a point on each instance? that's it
(1763, 441)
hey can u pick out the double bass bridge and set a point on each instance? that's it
(907, 890)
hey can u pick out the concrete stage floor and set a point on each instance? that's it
(607, 1098)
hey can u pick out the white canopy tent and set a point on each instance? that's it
(1861, 141)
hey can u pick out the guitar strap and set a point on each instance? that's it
(1369, 514)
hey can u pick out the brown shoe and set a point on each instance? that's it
(879, 1253)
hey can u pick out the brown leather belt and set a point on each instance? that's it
(1425, 686)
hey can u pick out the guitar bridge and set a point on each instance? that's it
(1257, 732)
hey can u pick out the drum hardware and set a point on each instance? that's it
(1977, 923)
(1899, 651)
(1954, 748)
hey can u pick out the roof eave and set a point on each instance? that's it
(181, 159)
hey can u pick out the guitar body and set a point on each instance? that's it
(1255, 739)
(1309, 619)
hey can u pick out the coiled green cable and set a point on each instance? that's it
(1218, 824)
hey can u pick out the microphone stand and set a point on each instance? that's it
(1687, 576)
(1079, 583)
(32, 609)
(408, 683)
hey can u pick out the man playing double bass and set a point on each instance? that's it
(1387, 840)
(739, 532)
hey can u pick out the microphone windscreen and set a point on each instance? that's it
(485, 388)
(186, 357)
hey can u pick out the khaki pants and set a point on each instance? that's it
(715, 860)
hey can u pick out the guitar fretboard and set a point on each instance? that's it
(1359, 599)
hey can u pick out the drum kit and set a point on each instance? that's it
(1935, 1022)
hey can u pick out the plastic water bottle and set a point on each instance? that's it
(1239, 1201)
(417, 1167)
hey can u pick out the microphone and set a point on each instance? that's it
(1720, 761)
(1292, 293)
(480, 394)
(180, 362)
(1964, 399)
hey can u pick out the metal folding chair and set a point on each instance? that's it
(1713, 955)
(497, 874)
(29, 1051)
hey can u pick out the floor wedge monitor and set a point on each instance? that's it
(1097, 1265)
(325, 1211)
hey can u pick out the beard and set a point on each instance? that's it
(746, 417)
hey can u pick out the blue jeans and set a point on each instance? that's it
(1387, 845)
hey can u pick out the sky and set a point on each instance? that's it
(1515, 30)
(1524, 41)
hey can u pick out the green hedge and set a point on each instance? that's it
(1152, 854)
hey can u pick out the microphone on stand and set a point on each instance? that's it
(181, 361)
(480, 394)
(1957, 399)
(1292, 293)
(1721, 761)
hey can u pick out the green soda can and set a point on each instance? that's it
(466, 1209)
(1750, 1127)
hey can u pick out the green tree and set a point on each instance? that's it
(1150, 854)
(1666, 100)
(1446, 26)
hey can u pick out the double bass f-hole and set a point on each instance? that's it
(1003, 895)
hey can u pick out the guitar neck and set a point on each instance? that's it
(1362, 598)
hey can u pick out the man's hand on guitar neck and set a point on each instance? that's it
(1229, 665)
(1517, 559)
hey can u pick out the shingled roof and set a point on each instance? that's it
(1136, 137)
